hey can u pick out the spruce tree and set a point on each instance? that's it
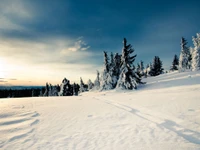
(175, 63)
(46, 93)
(97, 81)
(128, 78)
(184, 55)
(196, 53)
(90, 84)
(107, 79)
(117, 63)
(65, 88)
(83, 86)
(156, 67)
(141, 68)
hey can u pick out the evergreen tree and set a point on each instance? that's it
(97, 82)
(55, 90)
(117, 63)
(75, 89)
(128, 78)
(141, 68)
(184, 56)
(65, 88)
(83, 87)
(90, 84)
(46, 93)
(196, 53)
(107, 79)
(175, 63)
(156, 67)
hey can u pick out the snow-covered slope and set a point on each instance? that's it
(164, 114)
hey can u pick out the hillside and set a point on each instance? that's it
(161, 115)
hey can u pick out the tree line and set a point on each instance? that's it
(119, 71)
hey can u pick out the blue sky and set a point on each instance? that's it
(46, 40)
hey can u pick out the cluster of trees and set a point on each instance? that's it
(65, 89)
(14, 93)
(189, 56)
(119, 71)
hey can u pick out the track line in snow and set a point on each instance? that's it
(187, 134)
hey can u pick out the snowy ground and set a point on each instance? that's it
(162, 115)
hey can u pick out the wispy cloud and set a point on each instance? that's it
(13, 13)
(79, 45)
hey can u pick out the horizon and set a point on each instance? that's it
(45, 42)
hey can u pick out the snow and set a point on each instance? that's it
(161, 115)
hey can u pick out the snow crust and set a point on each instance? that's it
(164, 114)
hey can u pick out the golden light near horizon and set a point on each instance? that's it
(3, 68)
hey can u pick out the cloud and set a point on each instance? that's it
(13, 13)
(79, 45)
(12, 79)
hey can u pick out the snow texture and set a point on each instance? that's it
(161, 115)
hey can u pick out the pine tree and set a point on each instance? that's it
(117, 63)
(46, 93)
(196, 53)
(128, 78)
(107, 79)
(156, 67)
(55, 90)
(184, 56)
(83, 87)
(97, 82)
(90, 85)
(65, 88)
(75, 89)
(141, 68)
(175, 63)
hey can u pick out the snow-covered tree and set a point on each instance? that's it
(107, 79)
(117, 63)
(156, 67)
(184, 55)
(175, 63)
(196, 53)
(75, 89)
(83, 87)
(128, 78)
(90, 84)
(65, 88)
(97, 82)
(55, 90)
(46, 93)
(141, 68)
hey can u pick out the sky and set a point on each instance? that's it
(46, 40)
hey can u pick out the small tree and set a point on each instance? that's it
(90, 84)
(107, 79)
(97, 82)
(128, 78)
(65, 88)
(175, 63)
(46, 93)
(184, 55)
(83, 87)
(156, 67)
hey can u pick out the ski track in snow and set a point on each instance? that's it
(187, 134)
